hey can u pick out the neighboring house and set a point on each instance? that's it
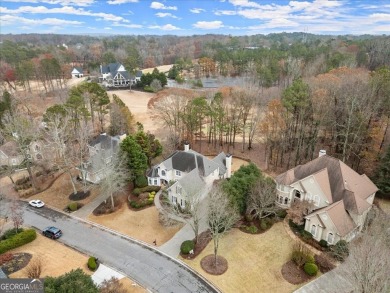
(115, 75)
(77, 72)
(101, 151)
(341, 197)
(10, 155)
(187, 172)
(138, 75)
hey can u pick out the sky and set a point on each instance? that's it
(188, 17)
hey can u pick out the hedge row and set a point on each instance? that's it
(17, 240)
(138, 191)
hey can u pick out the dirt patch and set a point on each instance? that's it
(18, 262)
(215, 268)
(294, 275)
(80, 195)
(203, 240)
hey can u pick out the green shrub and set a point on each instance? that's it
(92, 265)
(148, 89)
(300, 254)
(10, 233)
(141, 181)
(187, 246)
(251, 229)
(306, 235)
(340, 251)
(281, 213)
(137, 191)
(310, 259)
(310, 268)
(323, 243)
(73, 206)
(150, 201)
(263, 225)
(150, 188)
(17, 240)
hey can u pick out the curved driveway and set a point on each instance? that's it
(148, 267)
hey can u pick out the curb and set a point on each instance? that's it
(208, 283)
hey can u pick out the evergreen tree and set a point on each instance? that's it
(382, 177)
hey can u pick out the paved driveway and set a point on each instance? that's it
(145, 265)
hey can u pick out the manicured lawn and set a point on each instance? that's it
(255, 261)
(143, 225)
(58, 194)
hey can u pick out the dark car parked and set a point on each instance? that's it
(52, 232)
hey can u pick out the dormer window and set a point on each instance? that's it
(163, 173)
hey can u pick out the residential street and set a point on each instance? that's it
(148, 267)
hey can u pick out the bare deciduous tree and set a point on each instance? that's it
(368, 264)
(112, 286)
(16, 213)
(115, 174)
(262, 198)
(298, 210)
(221, 216)
(34, 268)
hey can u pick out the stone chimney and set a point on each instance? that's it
(228, 163)
(322, 153)
(186, 146)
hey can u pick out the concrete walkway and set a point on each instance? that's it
(105, 273)
(172, 246)
(87, 209)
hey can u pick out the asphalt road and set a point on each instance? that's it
(143, 264)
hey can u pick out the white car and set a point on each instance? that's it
(36, 203)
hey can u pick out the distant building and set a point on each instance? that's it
(77, 72)
(115, 75)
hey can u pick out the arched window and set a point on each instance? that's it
(313, 230)
(280, 199)
(285, 200)
(330, 238)
(162, 173)
(316, 200)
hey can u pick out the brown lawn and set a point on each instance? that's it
(58, 259)
(255, 261)
(58, 194)
(384, 204)
(143, 225)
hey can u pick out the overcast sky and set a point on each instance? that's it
(188, 17)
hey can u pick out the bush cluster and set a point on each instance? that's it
(266, 223)
(137, 205)
(17, 240)
(310, 268)
(138, 191)
(301, 254)
(324, 263)
(141, 181)
(187, 246)
(10, 233)
(251, 229)
(340, 250)
(323, 243)
(92, 263)
(73, 206)
(281, 214)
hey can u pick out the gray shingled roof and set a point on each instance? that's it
(153, 173)
(221, 161)
(192, 182)
(3, 275)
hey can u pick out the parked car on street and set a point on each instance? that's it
(36, 203)
(52, 232)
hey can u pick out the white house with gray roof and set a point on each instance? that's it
(115, 75)
(189, 171)
(341, 197)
